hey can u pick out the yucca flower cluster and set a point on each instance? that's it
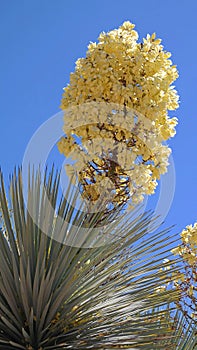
(187, 283)
(116, 116)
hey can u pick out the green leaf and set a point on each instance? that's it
(58, 296)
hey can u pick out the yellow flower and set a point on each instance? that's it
(186, 282)
(121, 92)
(177, 251)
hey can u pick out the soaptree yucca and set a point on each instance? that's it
(55, 295)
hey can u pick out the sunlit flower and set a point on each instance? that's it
(117, 105)
(186, 283)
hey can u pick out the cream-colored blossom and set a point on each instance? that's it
(117, 103)
(187, 282)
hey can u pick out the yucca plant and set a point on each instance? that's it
(59, 296)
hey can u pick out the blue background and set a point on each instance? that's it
(42, 39)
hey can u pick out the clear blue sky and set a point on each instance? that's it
(40, 42)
